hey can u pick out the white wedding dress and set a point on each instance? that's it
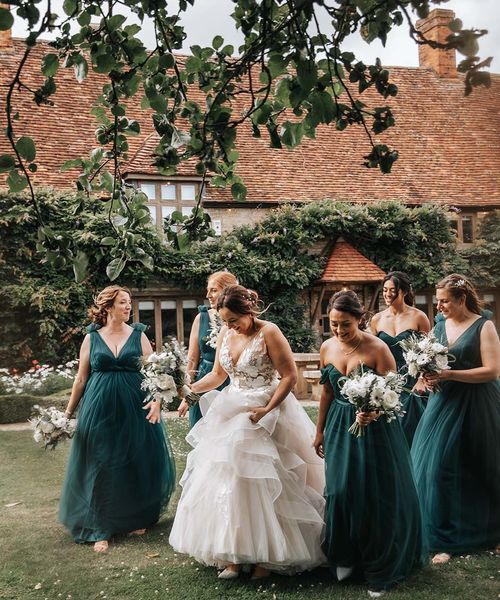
(251, 493)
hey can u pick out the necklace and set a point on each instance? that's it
(354, 349)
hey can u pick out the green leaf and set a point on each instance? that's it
(322, 107)
(73, 163)
(70, 6)
(115, 22)
(84, 19)
(6, 19)
(80, 264)
(80, 67)
(307, 74)
(193, 64)
(239, 192)
(16, 182)
(6, 162)
(291, 133)
(105, 63)
(114, 268)
(158, 104)
(26, 148)
(119, 220)
(147, 261)
(217, 42)
(50, 64)
(455, 25)
(108, 241)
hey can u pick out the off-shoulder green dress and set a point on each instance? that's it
(372, 515)
(121, 471)
(456, 454)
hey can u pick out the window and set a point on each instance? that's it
(165, 198)
(166, 317)
(464, 226)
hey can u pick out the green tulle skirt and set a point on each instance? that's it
(121, 471)
(456, 456)
(373, 519)
(414, 407)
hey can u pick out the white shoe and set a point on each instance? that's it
(374, 594)
(344, 572)
(228, 574)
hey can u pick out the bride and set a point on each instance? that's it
(252, 491)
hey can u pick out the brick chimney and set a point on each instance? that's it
(5, 36)
(435, 27)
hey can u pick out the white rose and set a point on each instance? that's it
(391, 400)
(60, 423)
(165, 382)
(47, 427)
(441, 361)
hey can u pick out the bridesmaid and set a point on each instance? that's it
(456, 450)
(120, 472)
(373, 523)
(400, 320)
(201, 355)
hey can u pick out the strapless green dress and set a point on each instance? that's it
(413, 404)
(372, 515)
(121, 472)
(207, 359)
(456, 455)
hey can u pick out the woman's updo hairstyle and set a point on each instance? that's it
(239, 300)
(348, 301)
(103, 302)
(401, 283)
(459, 287)
(221, 279)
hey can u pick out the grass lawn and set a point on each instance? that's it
(38, 560)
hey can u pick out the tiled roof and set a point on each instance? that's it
(347, 265)
(448, 143)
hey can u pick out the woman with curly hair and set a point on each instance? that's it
(120, 472)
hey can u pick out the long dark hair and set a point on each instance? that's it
(460, 287)
(401, 283)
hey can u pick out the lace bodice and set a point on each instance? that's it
(253, 368)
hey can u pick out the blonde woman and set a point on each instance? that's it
(120, 472)
(203, 338)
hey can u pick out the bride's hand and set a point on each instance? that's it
(256, 414)
(154, 414)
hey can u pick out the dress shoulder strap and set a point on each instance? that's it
(139, 327)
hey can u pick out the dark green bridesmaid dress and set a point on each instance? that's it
(372, 514)
(120, 472)
(413, 404)
(207, 359)
(456, 455)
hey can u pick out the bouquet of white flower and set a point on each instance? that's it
(424, 354)
(369, 391)
(51, 426)
(165, 375)
(213, 334)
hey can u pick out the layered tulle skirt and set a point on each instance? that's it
(251, 493)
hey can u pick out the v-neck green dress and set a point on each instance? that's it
(121, 471)
(456, 454)
(413, 404)
(207, 359)
(372, 515)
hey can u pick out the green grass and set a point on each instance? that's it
(35, 549)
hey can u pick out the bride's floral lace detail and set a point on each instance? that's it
(253, 368)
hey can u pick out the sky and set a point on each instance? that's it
(209, 18)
